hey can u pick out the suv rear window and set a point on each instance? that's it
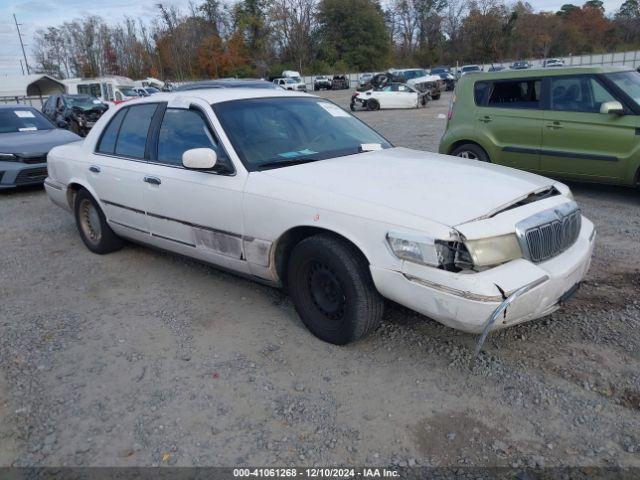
(509, 94)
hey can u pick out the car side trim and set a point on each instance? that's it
(221, 241)
(173, 240)
(119, 205)
(52, 184)
(558, 153)
(194, 225)
(139, 230)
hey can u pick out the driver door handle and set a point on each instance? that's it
(554, 125)
(485, 119)
(94, 169)
(152, 180)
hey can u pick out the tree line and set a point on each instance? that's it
(259, 38)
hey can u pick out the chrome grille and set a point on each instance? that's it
(550, 233)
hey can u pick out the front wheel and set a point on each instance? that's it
(472, 152)
(332, 290)
(373, 104)
(92, 225)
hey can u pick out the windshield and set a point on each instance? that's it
(409, 74)
(23, 120)
(628, 82)
(129, 92)
(271, 132)
(82, 101)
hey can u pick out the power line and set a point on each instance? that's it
(26, 64)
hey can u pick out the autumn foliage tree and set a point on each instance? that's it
(221, 38)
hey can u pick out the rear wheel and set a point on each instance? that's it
(332, 290)
(373, 104)
(472, 152)
(92, 225)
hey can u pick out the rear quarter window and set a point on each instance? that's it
(518, 93)
(480, 90)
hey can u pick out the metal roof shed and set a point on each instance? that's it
(30, 86)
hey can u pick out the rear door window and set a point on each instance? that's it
(132, 138)
(515, 94)
(109, 136)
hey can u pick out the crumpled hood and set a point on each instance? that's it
(445, 189)
(37, 142)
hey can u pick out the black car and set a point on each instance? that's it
(448, 79)
(77, 113)
(226, 83)
(440, 70)
(340, 82)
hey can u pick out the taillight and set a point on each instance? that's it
(451, 106)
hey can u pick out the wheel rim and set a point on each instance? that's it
(90, 221)
(468, 154)
(326, 291)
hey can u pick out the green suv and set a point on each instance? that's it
(580, 123)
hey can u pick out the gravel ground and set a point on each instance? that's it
(144, 358)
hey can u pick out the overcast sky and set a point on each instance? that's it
(35, 14)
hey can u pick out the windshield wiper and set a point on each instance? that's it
(284, 163)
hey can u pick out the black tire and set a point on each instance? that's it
(437, 97)
(372, 104)
(332, 290)
(352, 106)
(471, 151)
(92, 225)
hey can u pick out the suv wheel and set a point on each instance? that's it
(332, 290)
(472, 152)
(92, 225)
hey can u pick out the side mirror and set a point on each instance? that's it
(62, 123)
(199, 158)
(612, 107)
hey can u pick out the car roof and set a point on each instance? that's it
(12, 106)
(219, 95)
(225, 83)
(544, 72)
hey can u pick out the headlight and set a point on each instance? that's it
(487, 252)
(7, 157)
(448, 255)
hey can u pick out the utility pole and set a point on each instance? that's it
(26, 64)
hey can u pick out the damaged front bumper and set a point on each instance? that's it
(512, 293)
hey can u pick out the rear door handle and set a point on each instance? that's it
(152, 180)
(554, 125)
(485, 119)
(94, 169)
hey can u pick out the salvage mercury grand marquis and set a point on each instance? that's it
(290, 189)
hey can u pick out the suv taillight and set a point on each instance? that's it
(452, 105)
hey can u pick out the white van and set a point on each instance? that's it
(299, 85)
(111, 89)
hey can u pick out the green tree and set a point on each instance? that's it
(353, 31)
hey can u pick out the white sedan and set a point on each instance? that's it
(395, 95)
(289, 189)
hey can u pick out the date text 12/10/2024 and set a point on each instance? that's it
(315, 472)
